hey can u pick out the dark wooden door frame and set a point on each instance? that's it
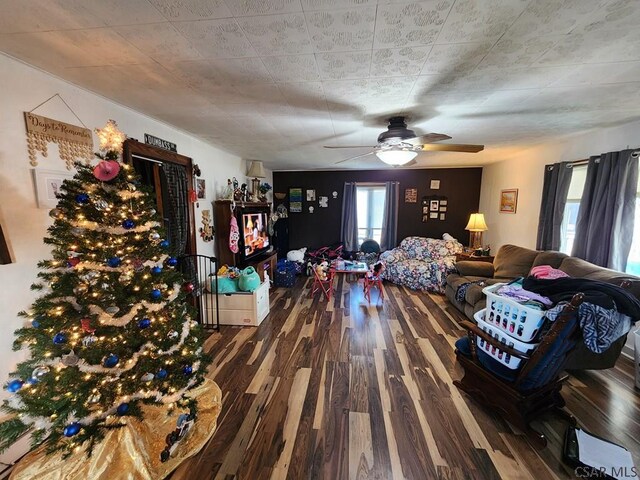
(133, 147)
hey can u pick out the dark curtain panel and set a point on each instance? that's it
(557, 178)
(389, 237)
(604, 229)
(349, 222)
(177, 186)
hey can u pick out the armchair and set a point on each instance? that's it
(522, 395)
(421, 263)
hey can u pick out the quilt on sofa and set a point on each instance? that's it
(421, 263)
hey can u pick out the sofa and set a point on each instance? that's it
(512, 262)
(421, 263)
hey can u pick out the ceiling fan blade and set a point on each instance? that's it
(428, 138)
(350, 146)
(353, 158)
(451, 147)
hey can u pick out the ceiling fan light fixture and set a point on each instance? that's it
(396, 157)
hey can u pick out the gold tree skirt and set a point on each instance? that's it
(133, 451)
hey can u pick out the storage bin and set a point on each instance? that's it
(504, 358)
(519, 321)
(285, 275)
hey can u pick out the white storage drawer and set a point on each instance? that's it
(242, 308)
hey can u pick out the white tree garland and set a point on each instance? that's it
(96, 227)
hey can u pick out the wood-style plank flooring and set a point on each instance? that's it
(344, 390)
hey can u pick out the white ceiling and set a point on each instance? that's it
(277, 79)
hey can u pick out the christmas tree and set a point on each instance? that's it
(111, 330)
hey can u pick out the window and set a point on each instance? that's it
(370, 204)
(570, 217)
(633, 261)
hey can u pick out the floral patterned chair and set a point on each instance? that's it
(421, 263)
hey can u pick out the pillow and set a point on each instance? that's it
(512, 261)
(225, 285)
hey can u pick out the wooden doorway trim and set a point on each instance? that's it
(133, 147)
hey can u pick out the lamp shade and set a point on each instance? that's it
(256, 170)
(476, 223)
(396, 157)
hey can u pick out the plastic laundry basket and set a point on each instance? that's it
(519, 321)
(498, 334)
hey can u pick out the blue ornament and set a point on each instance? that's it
(162, 374)
(164, 243)
(144, 323)
(71, 429)
(156, 270)
(172, 261)
(114, 262)
(128, 224)
(82, 198)
(156, 294)
(123, 408)
(111, 361)
(14, 385)
(184, 417)
(59, 338)
(187, 370)
(35, 323)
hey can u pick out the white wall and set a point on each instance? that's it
(25, 225)
(524, 170)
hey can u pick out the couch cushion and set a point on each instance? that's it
(576, 267)
(549, 257)
(512, 261)
(474, 292)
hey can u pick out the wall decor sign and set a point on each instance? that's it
(435, 185)
(160, 143)
(509, 200)
(48, 184)
(295, 200)
(411, 195)
(323, 202)
(74, 143)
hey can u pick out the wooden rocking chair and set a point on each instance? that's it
(521, 396)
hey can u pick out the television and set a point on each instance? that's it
(255, 233)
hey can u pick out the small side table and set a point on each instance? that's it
(470, 257)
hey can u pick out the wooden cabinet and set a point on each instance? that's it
(222, 217)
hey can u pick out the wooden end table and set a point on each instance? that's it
(470, 257)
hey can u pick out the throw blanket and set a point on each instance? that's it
(604, 314)
(600, 326)
(462, 289)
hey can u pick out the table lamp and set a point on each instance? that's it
(257, 172)
(476, 226)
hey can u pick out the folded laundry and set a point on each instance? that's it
(519, 294)
(547, 272)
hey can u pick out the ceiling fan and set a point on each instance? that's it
(399, 145)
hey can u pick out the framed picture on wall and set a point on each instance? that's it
(509, 200)
(201, 187)
(295, 200)
(411, 195)
(48, 183)
(311, 195)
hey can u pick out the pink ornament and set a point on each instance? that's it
(106, 170)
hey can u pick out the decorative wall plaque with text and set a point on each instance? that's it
(74, 142)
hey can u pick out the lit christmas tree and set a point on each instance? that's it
(112, 329)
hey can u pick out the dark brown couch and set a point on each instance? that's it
(511, 262)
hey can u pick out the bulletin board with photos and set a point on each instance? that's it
(434, 208)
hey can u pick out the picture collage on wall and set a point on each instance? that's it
(434, 208)
(296, 196)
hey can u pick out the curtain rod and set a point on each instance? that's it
(585, 161)
(140, 157)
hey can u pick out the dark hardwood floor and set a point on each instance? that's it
(350, 391)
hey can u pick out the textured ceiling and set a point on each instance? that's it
(277, 79)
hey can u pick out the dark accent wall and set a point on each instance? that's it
(461, 186)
